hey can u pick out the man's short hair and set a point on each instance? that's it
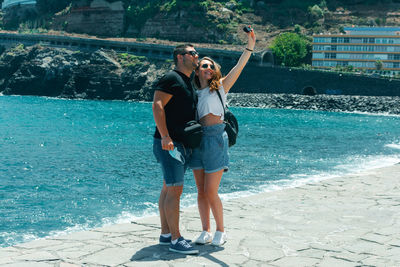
(179, 50)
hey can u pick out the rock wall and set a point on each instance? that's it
(70, 74)
(257, 79)
(99, 18)
(175, 27)
(190, 24)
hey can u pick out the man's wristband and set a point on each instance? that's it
(165, 136)
(250, 50)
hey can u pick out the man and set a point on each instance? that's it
(174, 104)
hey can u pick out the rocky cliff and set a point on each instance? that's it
(64, 73)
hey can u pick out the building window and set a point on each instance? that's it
(356, 40)
(342, 63)
(330, 55)
(318, 55)
(393, 56)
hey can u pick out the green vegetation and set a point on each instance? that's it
(130, 61)
(291, 49)
(138, 12)
(18, 48)
(378, 65)
(204, 12)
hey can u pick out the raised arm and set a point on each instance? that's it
(229, 80)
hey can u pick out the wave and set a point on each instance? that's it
(353, 165)
(395, 146)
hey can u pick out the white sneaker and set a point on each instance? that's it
(204, 238)
(219, 238)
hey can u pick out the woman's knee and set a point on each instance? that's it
(211, 194)
(201, 193)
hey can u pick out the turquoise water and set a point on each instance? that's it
(70, 165)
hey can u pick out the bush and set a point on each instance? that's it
(290, 49)
(129, 60)
(315, 12)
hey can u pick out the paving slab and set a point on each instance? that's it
(343, 221)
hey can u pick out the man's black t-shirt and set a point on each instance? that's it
(181, 107)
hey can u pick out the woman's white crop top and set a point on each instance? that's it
(209, 102)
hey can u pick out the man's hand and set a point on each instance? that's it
(167, 143)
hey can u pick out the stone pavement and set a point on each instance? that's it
(347, 221)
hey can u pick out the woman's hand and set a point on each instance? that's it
(251, 40)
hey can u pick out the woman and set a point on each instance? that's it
(211, 159)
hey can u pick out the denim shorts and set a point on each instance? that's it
(173, 170)
(212, 155)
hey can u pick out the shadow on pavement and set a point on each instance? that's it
(157, 252)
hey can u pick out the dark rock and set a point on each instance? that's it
(337, 103)
(70, 74)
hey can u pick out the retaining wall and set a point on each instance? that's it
(257, 79)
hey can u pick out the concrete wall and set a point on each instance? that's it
(256, 79)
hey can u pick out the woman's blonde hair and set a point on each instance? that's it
(214, 83)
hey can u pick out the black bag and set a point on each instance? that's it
(192, 134)
(231, 123)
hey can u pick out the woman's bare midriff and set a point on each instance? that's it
(210, 119)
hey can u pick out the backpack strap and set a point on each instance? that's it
(222, 102)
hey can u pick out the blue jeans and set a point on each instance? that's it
(212, 155)
(173, 170)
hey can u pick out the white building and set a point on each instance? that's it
(10, 3)
(360, 47)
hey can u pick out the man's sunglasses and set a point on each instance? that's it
(192, 53)
(205, 66)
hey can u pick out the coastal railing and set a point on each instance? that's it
(156, 51)
(10, 3)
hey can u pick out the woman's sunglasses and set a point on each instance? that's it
(192, 53)
(205, 66)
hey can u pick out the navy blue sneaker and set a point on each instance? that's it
(182, 247)
(165, 241)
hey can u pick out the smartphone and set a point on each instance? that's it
(247, 29)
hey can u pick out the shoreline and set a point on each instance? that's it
(345, 221)
(188, 200)
(353, 104)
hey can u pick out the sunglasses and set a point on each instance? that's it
(192, 53)
(205, 66)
